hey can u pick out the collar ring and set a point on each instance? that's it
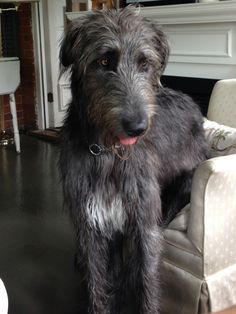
(95, 149)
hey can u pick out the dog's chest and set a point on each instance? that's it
(106, 215)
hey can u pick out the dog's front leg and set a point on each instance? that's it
(150, 247)
(95, 256)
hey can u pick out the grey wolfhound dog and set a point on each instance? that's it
(129, 149)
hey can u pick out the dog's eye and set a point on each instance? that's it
(104, 62)
(144, 64)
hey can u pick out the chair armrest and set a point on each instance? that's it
(212, 219)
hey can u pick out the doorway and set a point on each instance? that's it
(22, 35)
(49, 22)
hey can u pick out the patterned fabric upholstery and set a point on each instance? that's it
(222, 105)
(221, 138)
(200, 243)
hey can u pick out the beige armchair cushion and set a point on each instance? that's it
(212, 218)
(200, 243)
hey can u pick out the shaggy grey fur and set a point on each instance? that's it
(118, 198)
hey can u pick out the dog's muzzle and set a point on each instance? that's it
(133, 129)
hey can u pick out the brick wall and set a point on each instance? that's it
(25, 94)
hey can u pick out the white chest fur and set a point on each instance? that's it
(106, 217)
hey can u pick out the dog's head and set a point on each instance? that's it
(116, 60)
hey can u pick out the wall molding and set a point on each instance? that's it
(222, 11)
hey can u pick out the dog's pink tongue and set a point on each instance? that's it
(128, 140)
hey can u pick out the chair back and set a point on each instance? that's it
(222, 105)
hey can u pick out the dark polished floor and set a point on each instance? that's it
(36, 237)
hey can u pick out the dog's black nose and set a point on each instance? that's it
(133, 127)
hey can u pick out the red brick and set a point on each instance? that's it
(8, 116)
(18, 99)
(28, 92)
(20, 114)
(28, 54)
(6, 108)
(5, 99)
(29, 119)
(19, 89)
(7, 125)
(28, 45)
(27, 37)
(19, 107)
(26, 72)
(24, 8)
(24, 30)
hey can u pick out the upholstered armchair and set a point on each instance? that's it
(199, 267)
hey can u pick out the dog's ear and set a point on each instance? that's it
(161, 45)
(71, 42)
